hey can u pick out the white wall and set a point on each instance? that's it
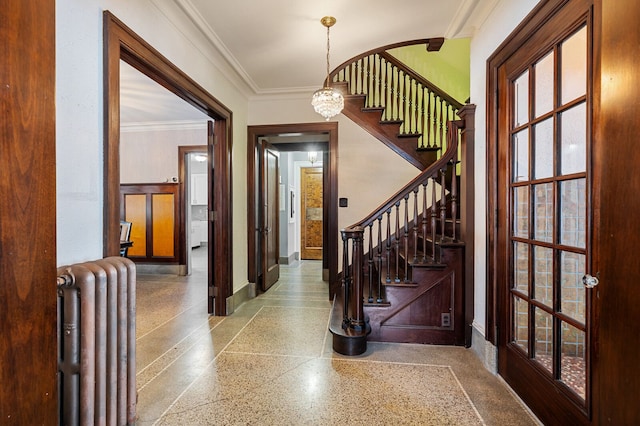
(501, 22)
(79, 114)
(152, 156)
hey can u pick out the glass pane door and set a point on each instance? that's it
(548, 203)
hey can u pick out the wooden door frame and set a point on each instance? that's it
(530, 30)
(120, 42)
(330, 197)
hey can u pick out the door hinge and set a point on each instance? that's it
(213, 291)
(213, 215)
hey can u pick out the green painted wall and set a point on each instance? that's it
(448, 69)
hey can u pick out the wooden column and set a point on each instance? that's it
(27, 218)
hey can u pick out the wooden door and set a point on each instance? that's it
(311, 213)
(212, 284)
(270, 244)
(544, 247)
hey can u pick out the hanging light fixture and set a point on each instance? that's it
(312, 157)
(327, 101)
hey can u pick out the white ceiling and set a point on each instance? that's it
(279, 46)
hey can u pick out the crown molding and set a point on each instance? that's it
(469, 17)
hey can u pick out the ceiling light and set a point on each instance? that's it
(312, 156)
(327, 101)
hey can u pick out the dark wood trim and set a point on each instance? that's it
(120, 42)
(616, 229)
(183, 150)
(28, 347)
(467, 213)
(330, 237)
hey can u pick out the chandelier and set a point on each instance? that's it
(327, 101)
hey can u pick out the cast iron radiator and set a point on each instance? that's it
(97, 342)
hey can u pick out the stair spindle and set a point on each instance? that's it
(387, 79)
(423, 115)
(370, 263)
(405, 239)
(376, 73)
(429, 119)
(379, 299)
(388, 246)
(366, 79)
(443, 203)
(434, 214)
(454, 200)
(441, 123)
(396, 244)
(403, 101)
(415, 225)
(424, 220)
(396, 89)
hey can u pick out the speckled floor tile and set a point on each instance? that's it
(271, 363)
(299, 390)
(295, 331)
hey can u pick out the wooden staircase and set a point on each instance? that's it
(403, 273)
(387, 131)
(396, 105)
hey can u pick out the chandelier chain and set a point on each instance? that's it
(328, 47)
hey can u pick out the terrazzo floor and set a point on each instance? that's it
(271, 363)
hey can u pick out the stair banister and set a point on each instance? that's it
(452, 151)
(396, 104)
(435, 253)
(353, 271)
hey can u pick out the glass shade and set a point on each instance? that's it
(327, 102)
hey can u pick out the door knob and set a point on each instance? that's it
(589, 281)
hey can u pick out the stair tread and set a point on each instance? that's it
(409, 135)
(377, 305)
(372, 109)
(400, 284)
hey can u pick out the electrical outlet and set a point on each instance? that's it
(446, 319)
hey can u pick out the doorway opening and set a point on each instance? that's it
(122, 44)
(293, 142)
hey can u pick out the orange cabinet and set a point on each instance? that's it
(153, 212)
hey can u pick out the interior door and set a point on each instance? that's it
(546, 328)
(211, 275)
(311, 224)
(269, 226)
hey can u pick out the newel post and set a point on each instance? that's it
(356, 304)
(467, 202)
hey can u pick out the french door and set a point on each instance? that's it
(545, 325)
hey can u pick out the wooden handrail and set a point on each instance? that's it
(440, 164)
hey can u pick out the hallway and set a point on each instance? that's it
(271, 362)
